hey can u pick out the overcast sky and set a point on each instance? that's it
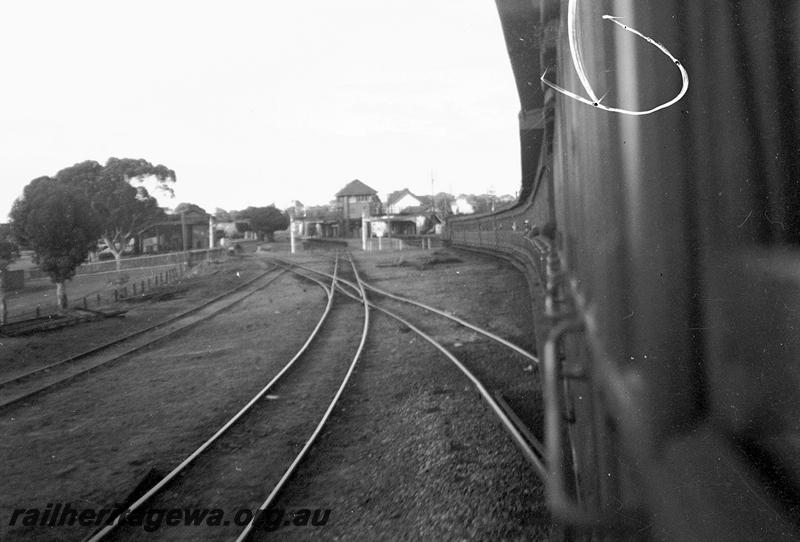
(255, 102)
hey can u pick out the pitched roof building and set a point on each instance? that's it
(357, 199)
(405, 202)
(343, 217)
(356, 188)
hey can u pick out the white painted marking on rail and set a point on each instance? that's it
(577, 60)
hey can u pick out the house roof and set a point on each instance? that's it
(397, 195)
(356, 188)
(394, 197)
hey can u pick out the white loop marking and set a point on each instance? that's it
(577, 56)
(577, 60)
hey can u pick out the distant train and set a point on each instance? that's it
(659, 223)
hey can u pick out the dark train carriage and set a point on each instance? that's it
(666, 246)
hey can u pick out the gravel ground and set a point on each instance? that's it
(411, 453)
(21, 354)
(92, 441)
(42, 292)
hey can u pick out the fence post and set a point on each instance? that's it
(85, 303)
(38, 311)
(98, 298)
(134, 288)
(3, 312)
(116, 295)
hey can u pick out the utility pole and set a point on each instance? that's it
(184, 232)
(291, 232)
(346, 229)
(433, 194)
(363, 231)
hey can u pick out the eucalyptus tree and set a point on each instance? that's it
(122, 208)
(56, 221)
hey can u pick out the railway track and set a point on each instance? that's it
(444, 314)
(531, 448)
(228, 471)
(255, 452)
(25, 386)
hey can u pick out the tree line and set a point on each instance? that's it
(62, 218)
(89, 206)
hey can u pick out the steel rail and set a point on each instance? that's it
(147, 344)
(461, 321)
(440, 312)
(565, 508)
(520, 440)
(129, 336)
(186, 462)
(290, 470)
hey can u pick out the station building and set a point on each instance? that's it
(403, 214)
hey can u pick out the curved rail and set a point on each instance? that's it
(290, 470)
(461, 321)
(186, 462)
(129, 336)
(529, 451)
(136, 348)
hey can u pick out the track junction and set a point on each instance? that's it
(252, 450)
